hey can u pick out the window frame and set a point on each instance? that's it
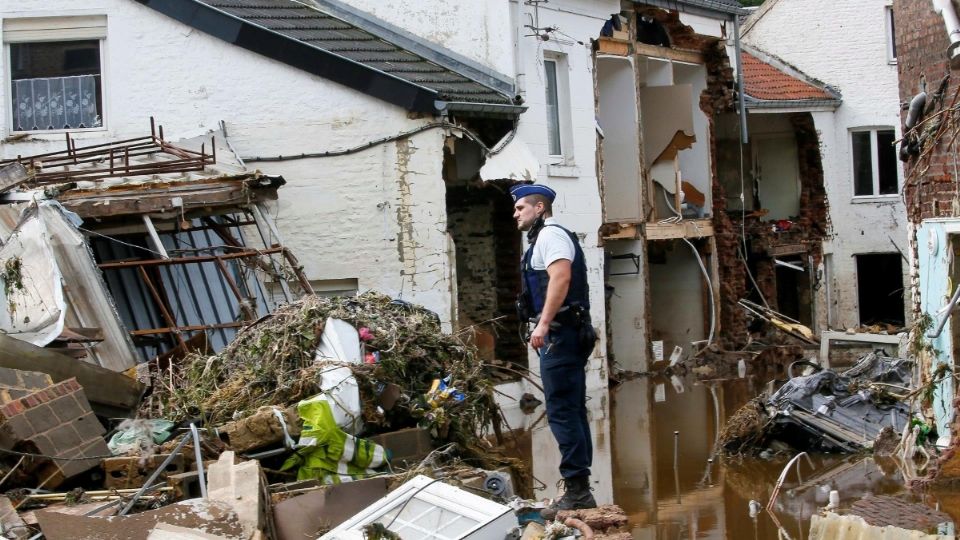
(890, 34)
(874, 165)
(53, 29)
(564, 122)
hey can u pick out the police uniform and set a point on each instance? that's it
(570, 340)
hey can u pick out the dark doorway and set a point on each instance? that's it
(880, 288)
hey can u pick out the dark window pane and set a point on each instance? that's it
(862, 167)
(56, 85)
(553, 108)
(893, 34)
(887, 162)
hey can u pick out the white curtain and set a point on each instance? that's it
(55, 103)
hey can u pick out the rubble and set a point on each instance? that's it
(831, 411)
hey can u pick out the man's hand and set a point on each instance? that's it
(539, 336)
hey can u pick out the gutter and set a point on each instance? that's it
(944, 8)
(485, 109)
(752, 103)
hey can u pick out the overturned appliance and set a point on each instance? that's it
(829, 410)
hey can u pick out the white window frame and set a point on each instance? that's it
(492, 519)
(565, 130)
(874, 165)
(890, 30)
(41, 29)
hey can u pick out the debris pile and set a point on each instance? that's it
(827, 410)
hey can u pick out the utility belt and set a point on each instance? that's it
(571, 316)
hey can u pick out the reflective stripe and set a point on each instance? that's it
(349, 449)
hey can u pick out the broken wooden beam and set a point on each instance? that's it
(109, 392)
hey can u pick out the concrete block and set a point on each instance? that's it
(242, 486)
(211, 517)
(260, 429)
(406, 445)
(185, 485)
(131, 472)
(165, 531)
(11, 524)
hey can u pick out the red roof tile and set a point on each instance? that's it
(763, 81)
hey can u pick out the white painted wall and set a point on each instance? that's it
(378, 215)
(844, 45)
(578, 205)
(479, 30)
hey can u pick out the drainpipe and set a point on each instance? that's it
(944, 8)
(516, 14)
(744, 135)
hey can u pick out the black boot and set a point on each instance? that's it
(576, 496)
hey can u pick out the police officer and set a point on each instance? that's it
(555, 298)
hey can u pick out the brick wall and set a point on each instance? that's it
(15, 384)
(56, 421)
(930, 183)
(488, 262)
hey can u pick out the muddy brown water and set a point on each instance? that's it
(658, 422)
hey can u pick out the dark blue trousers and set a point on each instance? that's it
(565, 389)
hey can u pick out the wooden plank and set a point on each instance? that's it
(613, 46)
(688, 228)
(656, 51)
(786, 249)
(621, 231)
(115, 392)
(12, 176)
(109, 205)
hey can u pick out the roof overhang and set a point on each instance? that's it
(791, 105)
(300, 55)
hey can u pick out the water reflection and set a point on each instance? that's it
(654, 425)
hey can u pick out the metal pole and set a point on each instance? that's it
(199, 456)
(156, 474)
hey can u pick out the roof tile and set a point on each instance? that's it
(765, 82)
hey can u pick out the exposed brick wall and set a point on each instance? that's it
(809, 230)
(15, 384)
(488, 262)
(56, 421)
(930, 188)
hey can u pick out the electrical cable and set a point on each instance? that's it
(713, 306)
(370, 144)
(404, 505)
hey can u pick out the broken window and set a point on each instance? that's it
(880, 288)
(55, 72)
(874, 162)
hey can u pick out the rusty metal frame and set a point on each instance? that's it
(220, 261)
(112, 159)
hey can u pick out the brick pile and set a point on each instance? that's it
(54, 421)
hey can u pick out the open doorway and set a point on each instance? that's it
(487, 252)
(880, 288)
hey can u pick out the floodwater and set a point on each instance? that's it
(663, 436)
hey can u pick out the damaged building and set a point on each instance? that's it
(927, 61)
(662, 72)
(849, 211)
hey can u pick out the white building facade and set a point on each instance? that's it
(849, 47)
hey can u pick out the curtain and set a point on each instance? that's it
(55, 103)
